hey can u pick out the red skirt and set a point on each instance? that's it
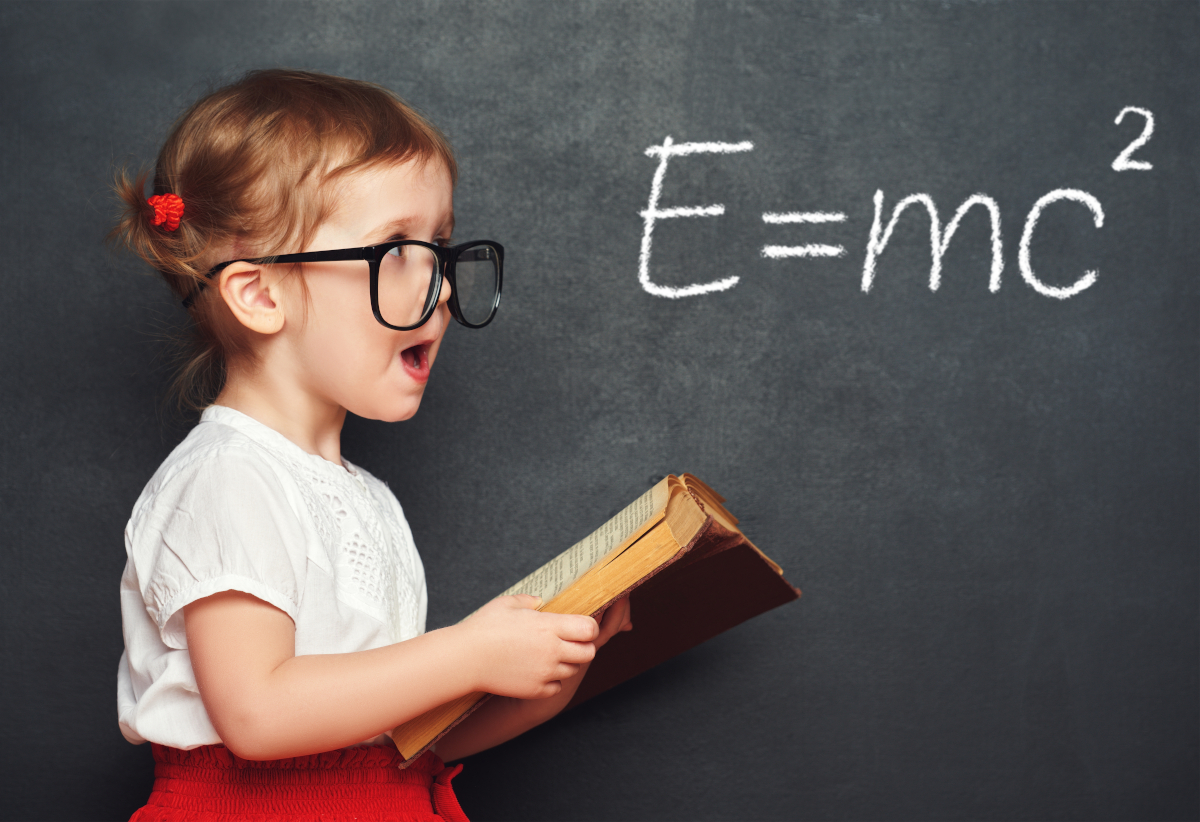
(210, 784)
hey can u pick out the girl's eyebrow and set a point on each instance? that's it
(402, 227)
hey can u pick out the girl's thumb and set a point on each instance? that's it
(529, 601)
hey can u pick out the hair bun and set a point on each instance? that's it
(168, 209)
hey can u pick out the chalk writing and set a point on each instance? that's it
(879, 234)
(812, 250)
(938, 242)
(1123, 163)
(653, 213)
(1089, 277)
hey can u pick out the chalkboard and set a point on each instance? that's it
(975, 448)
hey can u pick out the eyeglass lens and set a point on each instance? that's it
(407, 275)
(475, 277)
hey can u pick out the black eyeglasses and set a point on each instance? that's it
(406, 279)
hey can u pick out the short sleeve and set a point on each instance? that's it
(228, 521)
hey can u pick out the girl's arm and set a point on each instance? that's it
(267, 703)
(502, 718)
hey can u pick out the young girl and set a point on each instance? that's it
(273, 602)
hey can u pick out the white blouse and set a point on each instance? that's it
(239, 507)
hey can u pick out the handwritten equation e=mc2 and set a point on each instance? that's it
(880, 234)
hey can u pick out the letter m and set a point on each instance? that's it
(937, 240)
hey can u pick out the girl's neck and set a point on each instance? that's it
(286, 407)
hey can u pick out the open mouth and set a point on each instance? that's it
(416, 360)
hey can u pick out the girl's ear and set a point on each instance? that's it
(253, 295)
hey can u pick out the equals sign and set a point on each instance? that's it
(777, 252)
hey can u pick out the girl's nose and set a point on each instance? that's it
(446, 291)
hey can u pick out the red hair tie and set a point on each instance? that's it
(168, 208)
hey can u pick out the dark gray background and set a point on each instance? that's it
(989, 500)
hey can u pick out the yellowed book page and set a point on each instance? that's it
(693, 481)
(627, 526)
(683, 519)
(712, 501)
(606, 581)
(684, 516)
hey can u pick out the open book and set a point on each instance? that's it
(690, 573)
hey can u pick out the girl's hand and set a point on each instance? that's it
(613, 620)
(502, 719)
(523, 653)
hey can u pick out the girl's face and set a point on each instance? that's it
(344, 357)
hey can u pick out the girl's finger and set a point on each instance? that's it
(527, 601)
(576, 628)
(622, 609)
(578, 652)
(549, 689)
(565, 670)
(616, 618)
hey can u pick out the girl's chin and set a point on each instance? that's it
(396, 395)
(389, 413)
(395, 403)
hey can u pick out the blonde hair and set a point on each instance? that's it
(254, 162)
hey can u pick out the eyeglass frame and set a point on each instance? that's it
(447, 256)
